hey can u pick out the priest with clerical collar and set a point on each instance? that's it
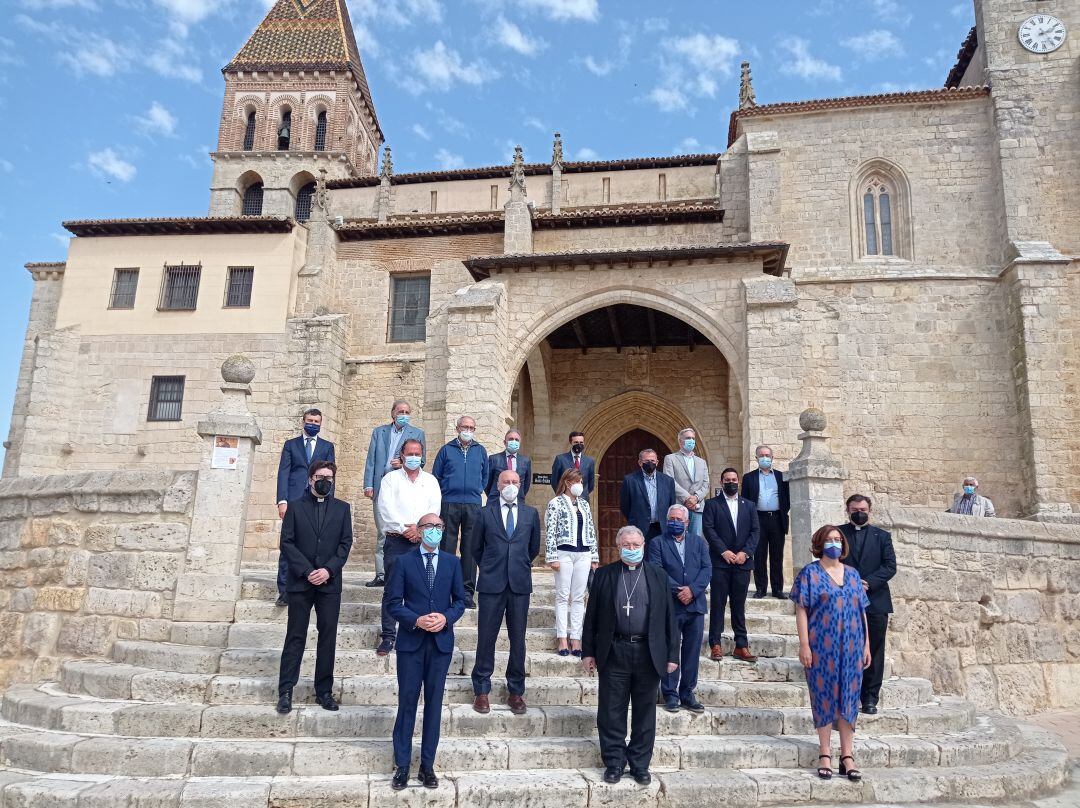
(629, 638)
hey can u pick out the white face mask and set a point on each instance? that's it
(577, 489)
(508, 493)
(466, 435)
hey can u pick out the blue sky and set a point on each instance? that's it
(112, 105)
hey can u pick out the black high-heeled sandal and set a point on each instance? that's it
(854, 775)
(825, 772)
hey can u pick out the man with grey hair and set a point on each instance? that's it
(768, 490)
(691, 474)
(461, 467)
(970, 502)
(384, 456)
(629, 637)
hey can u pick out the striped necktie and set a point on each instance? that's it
(309, 448)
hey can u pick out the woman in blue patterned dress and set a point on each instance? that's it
(833, 647)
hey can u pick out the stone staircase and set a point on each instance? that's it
(191, 722)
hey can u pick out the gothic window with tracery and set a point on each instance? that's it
(881, 212)
(877, 217)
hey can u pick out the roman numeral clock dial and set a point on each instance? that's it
(1042, 33)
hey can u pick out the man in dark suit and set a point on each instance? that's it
(509, 459)
(767, 488)
(731, 528)
(629, 637)
(297, 455)
(685, 559)
(427, 597)
(506, 541)
(575, 459)
(870, 552)
(316, 536)
(646, 495)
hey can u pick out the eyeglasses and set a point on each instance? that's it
(430, 524)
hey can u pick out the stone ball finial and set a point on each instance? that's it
(238, 369)
(812, 420)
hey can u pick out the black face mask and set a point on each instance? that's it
(648, 467)
(860, 518)
(322, 487)
(577, 448)
(731, 489)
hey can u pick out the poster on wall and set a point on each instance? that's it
(226, 452)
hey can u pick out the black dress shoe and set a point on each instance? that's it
(693, 705)
(642, 777)
(759, 595)
(326, 701)
(870, 708)
(284, 703)
(428, 778)
(377, 581)
(281, 602)
(401, 778)
(469, 602)
(671, 704)
(779, 595)
(613, 774)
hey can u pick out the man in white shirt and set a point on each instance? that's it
(405, 495)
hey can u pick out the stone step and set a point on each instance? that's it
(65, 752)
(47, 708)
(1043, 763)
(117, 681)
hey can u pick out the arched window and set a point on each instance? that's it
(253, 199)
(249, 132)
(881, 212)
(303, 202)
(320, 131)
(877, 218)
(284, 135)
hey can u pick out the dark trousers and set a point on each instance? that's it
(424, 668)
(491, 609)
(394, 547)
(628, 679)
(282, 574)
(682, 682)
(729, 585)
(877, 625)
(327, 607)
(460, 519)
(653, 531)
(770, 551)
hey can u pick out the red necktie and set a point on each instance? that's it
(510, 462)
(577, 462)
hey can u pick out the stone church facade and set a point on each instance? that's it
(904, 262)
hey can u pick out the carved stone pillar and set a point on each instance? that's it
(816, 480)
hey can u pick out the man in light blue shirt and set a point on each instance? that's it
(767, 487)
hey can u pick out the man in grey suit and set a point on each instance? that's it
(691, 475)
(383, 456)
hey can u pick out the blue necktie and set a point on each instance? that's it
(430, 569)
(309, 448)
(510, 520)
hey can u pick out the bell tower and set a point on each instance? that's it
(296, 102)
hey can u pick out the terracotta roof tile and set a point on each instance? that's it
(422, 224)
(963, 58)
(194, 225)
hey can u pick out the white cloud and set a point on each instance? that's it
(174, 60)
(801, 63)
(447, 160)
(688, 145)
(586, 154)
(874, 45)
(43, 5)
(536, 123)
(891, 11)
(690, 67)
(421, 132)
(669, 99)
(586, 10)
(512, 37)
(107, 163)
(396, 13)
(654, 25)
(962, 11)
(448, 123)
(61, 238)
(598, 68)
(157, 121)
(365, 40)
(189, 12)
(99, 56)
(6, 166)
(440, 68)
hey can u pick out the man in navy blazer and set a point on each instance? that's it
(646, 495)
(510, 459)
(297, 455)
(384, 456)
(575, 459)
(506, 540)
(426, 595)
(685, 559)
(731, 528)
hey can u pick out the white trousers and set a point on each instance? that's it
(571, 581)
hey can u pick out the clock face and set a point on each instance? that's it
(1041, 33)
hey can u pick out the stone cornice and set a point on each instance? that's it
(46, 270)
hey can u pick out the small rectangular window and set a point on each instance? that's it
(180, 287)
(661, 190)
(238, 287)
(606, 190)
(409, 296)
(166, 398)
(125, 282)
(494, 197)
(434, 201)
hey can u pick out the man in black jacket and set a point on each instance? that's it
(629, 637)
(316, 537)
(871, 554)
(768, 490)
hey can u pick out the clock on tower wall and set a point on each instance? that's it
(1042, 33)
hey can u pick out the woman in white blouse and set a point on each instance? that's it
(572, 553)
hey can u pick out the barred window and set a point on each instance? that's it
(125, 282)
(180, 287)
(166, 398)
(320, 132)
(303, 202)
(253, 199)
(238, 287)
(249, 132)
(409, 296)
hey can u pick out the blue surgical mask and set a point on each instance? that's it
(432, 537)
(676, 527)
(969, 489)
(413, 462)
(765, 462)
(401, 420)
(512, 446)
(632, 556)
(834, 549)
(689, 444)
(311, 429)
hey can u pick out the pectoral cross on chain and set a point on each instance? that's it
(627, 607)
